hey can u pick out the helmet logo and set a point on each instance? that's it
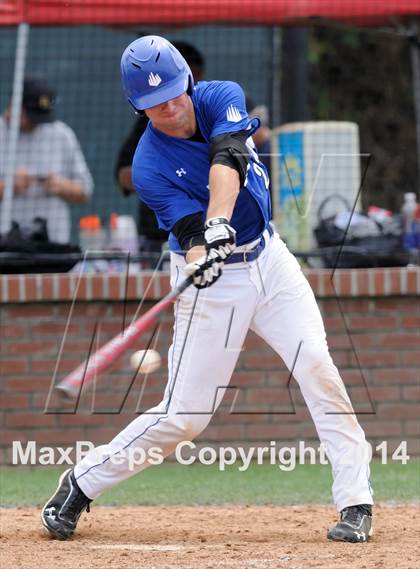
(154, 79)
(233, 114)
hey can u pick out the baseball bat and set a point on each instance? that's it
(103, 358)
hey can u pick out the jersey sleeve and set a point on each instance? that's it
(169, 203)
(226, 109)
(76, 167)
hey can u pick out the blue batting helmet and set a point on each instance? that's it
(153, 72)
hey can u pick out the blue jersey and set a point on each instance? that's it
(171, 174)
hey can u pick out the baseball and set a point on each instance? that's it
(145, 361)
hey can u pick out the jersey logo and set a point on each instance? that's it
(180, 172)
(233, 114)
(154, 80)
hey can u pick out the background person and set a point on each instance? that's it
(51, 171)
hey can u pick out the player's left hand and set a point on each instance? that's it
(206, 270)
(55, 184)
(219, 237)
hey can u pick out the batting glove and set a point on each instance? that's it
(220, 237)
(206, 270)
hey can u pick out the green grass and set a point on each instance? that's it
(175, 484)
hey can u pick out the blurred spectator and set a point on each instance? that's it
(151, 237)
(51, 171)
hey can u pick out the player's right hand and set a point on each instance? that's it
(206, 270)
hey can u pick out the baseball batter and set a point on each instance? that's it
(197, 168)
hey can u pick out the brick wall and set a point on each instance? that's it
(372, 319)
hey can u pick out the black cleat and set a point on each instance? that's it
(355, 524)
(62, 511)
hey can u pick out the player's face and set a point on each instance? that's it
(175, 117)
(25, 123)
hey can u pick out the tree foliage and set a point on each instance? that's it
(366, 77)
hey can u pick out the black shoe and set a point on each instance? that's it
(62, 511)
(355, 524)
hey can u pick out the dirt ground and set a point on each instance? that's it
(264, 537)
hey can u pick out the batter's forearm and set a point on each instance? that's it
(224, 190)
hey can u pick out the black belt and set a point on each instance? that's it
(252, 254)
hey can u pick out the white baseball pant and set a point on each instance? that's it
(272, 297)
